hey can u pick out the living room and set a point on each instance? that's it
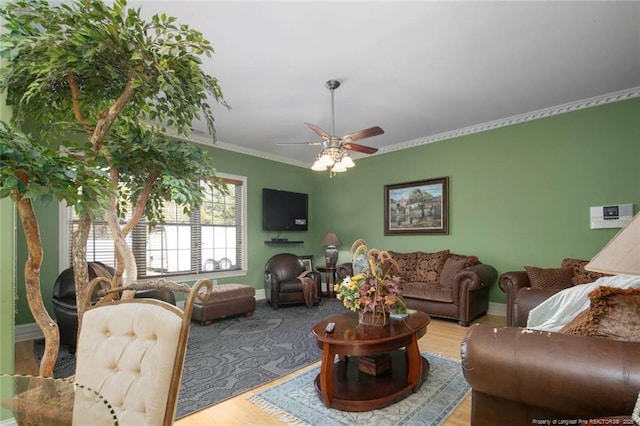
(519, 194)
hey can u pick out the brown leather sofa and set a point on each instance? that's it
(523, 295)
(524, 377)
(455, 292)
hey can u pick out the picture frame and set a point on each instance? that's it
(308, 262)
(417, 208)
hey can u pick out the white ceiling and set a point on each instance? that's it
(421, 70)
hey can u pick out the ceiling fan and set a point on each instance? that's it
(334, 155)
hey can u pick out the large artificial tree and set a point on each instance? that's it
(97, 69)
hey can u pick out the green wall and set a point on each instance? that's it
(518, 195)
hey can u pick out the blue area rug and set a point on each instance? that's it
(296, 402)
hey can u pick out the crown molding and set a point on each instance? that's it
(622, 95)
(203, 138)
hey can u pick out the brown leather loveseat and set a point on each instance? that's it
(527, 289)
(442, 284)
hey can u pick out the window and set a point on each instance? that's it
(210, 241)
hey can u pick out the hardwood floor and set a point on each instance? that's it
(443, 337)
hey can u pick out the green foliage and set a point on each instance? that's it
(31, 170)
(140, 155)
(104, 48)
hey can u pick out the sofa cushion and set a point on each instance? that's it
(581, 275)
(406, 263)
(554, 278)
(429, 266)
(469, 260)
(614, 313)
(427, 291)
(451, 267)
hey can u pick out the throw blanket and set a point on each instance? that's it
(555, 312)
(309, 289)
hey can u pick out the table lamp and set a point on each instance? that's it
(621, 256)
(331, 241)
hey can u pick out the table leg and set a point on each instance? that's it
(414, 363)
(326, 374)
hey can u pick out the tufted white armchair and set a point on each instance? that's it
(132, 352)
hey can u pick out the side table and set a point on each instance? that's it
(329, 278)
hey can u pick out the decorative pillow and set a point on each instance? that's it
(429, 266)
(553, 278)
(614, 313)
(406, 263)
(451, 267)
(581, 275)
(469, 260)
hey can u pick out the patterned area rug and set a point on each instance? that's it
(234, 355)
(295, 401)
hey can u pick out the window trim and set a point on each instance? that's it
(64, 244)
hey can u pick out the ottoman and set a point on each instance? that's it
(225, 300)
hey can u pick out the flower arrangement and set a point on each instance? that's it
(374, 290)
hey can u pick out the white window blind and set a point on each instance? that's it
(211, 240)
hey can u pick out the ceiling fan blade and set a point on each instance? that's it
(360, 148)
(300, 143)
(318, 131)
(366, 133)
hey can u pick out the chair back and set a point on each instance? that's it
(132, 352)
(285, 266)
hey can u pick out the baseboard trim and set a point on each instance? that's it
(29, 331)
(497, 309)
(9, 422)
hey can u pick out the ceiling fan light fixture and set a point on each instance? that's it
(347, 161)
(318, 166)
(327, 159)
(338, 168)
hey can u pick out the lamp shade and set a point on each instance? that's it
(330, 239)
(621, 255)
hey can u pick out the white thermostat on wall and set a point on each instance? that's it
(614, 216)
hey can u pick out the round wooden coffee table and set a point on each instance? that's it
(342, 385)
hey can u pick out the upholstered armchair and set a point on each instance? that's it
(64, 300)
(284, 281)
(131, 352)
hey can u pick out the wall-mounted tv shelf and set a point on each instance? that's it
(277, 243)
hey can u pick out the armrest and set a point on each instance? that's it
(344, 270)
(511, 282)
(576, 375)
(474, 277)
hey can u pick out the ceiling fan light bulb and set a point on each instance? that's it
(327, 160)
(347, 162)
(318, 166)
(338, 168)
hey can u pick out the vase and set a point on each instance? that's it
(377, 319)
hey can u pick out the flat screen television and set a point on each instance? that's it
(284, 210)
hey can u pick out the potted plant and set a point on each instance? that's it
(100, 70)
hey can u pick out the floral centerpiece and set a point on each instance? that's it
(375, 292)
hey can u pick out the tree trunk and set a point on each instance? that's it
(80, 267)
(32, 285)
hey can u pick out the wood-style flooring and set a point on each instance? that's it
(443, 337)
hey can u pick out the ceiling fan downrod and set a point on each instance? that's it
(333, 85)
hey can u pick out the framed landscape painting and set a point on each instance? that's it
(420, 207)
